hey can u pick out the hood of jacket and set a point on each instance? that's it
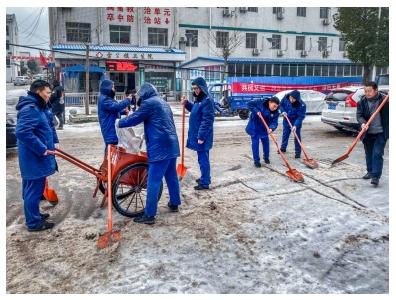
(296, 95)
(106, 87)
(147, 91)
(201, 83)
(31, 98)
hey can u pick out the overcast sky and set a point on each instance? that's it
(32, 26)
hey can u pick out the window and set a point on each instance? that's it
(340, 71)
(253, 69)
(253, 9)
(324, 12)
(221, 39)
(238, 70)
(285, 70)
(276, 41)
(7, 45)
(300, 42)
(78, 32)
(341, 45)
(8, 31)
(360, 71)
(317, 69)
(246, 70)
(309, 70)
(332, 71)
(251, 40)
(301, 70)
(8, 62)
(325, 70)
(268, 70)
(276, 70)
(192, 38)
(275, 10)
(120, 34)
(347, 70)
(158, 36)
(322, 43)
(301, 11)
(293, 70)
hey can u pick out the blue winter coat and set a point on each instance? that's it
(35, 134)
(159, 127)
(255, 126)
(295, 112)
(108, 111)
(201, 119)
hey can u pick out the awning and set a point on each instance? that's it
(81, 68)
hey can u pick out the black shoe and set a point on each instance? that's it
(44, 216)
(43, 226)
(144, 220)
(173, 208)
(198, 180)
(201, 187)
(367, 176)
(283, 150)
(297, 156)
(257, 164)
(267, 161)
(375, 181)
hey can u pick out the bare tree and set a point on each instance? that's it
(224, 44)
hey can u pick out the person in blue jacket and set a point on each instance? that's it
(294, 108)
(109, 110)
(162, 149)
(36, 135)
(268, 108)
(200, 131)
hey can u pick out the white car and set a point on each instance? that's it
(22, 80)
(314, 100)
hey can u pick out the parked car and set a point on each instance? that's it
(314, 100)
(383, 83)
(11, 140)
(22, 80)
(340, 108)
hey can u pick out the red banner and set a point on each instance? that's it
(262, 88)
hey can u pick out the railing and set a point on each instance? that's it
(78, 99)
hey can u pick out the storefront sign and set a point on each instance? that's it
(152, 15)
(125, 66)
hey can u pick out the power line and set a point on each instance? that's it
(35, 25)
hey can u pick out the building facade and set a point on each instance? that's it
(12, 67)
(154, 41)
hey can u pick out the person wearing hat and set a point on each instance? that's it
(36, 135)
(200, 131)
(268, 108)
(294, 108)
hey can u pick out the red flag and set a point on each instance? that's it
(43, 60)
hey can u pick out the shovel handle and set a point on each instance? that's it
(370, 120)
(296, 136)
(275, 142)
(183, 129)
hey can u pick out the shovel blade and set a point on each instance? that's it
(340, 159)
(51, 196)
(108, 239)
(310, 163)
(181, 171)
(295, 175)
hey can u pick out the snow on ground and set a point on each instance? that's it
(254, 231)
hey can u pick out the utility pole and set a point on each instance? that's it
(379, 21)
(87, 79)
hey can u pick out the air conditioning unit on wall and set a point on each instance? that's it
(280, 53)
(226, 12)
(256, 52)
(345, 54)
(326, 21)
(243, 9)
(325, 53)
(304, 53)
(279, 14)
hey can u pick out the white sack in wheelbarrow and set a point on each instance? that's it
(131, 138)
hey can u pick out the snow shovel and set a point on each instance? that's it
(346, 155)
(181, 168)
(309, 162)
(110, 236)
(50, 194)
(291, 173)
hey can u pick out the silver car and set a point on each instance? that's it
(22, 80)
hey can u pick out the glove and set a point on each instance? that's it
(56, 145)
(293, 128)
(284, 114)
(116, 123)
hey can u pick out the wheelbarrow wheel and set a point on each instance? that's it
(130, 190)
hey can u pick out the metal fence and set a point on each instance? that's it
(78, 99)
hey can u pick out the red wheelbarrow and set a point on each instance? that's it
(129, 179)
